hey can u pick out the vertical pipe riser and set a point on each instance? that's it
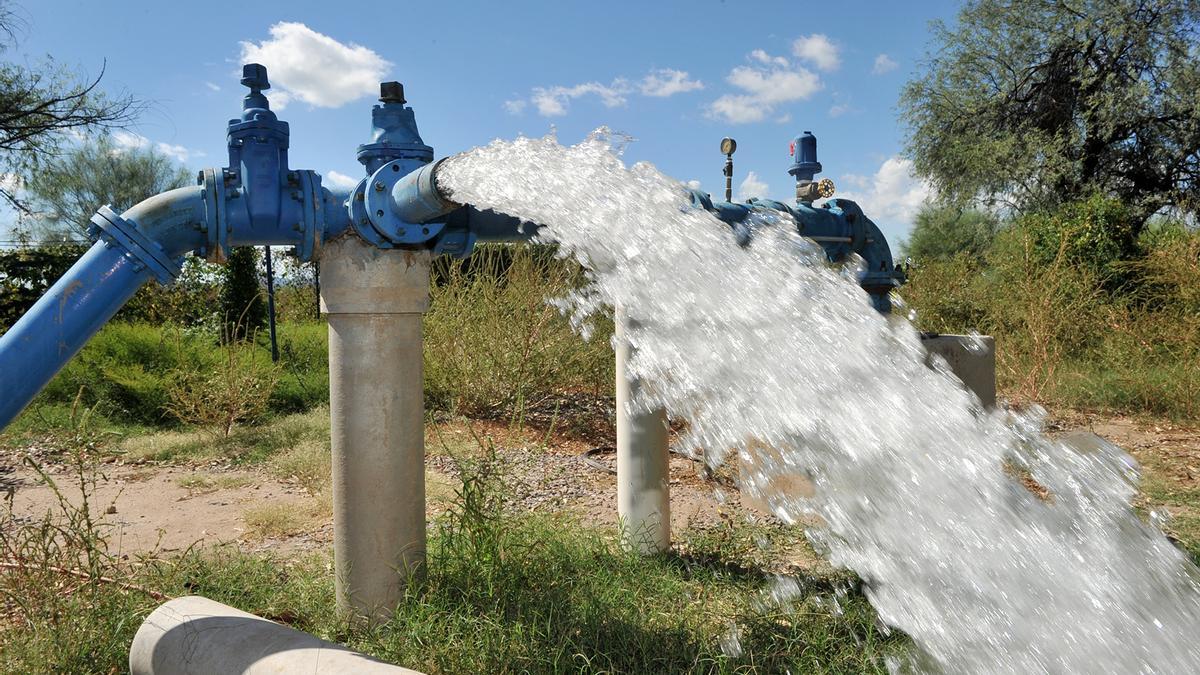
(643, 466)
(374, 300)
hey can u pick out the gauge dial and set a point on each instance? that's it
(728, 146)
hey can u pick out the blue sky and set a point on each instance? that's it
(677, 76)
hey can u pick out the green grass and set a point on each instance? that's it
(291, 440)
(503, 593)
(559, 599)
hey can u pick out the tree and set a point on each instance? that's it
(40, 106)
(69, 188)
(941, 232)
(242, 308)
(1036, 103)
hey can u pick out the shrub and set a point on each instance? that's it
(943, 232)
(494, 346)
(1082, 315)
(234, 389)
(242, 307)
(1097, 234)
(123, 368)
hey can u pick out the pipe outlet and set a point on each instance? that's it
(416, 197)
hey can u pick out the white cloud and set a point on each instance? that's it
(765, 58)
(839, 109)
(212, 86)
(553, 101)
(818, 50)
(752, 186)
(314, 67)
(891, 196)
(11, 182)
(339, 181)
(765, 86)
(127, 140)
(668, 82)
(693, 184)
(177, 152)
(883, 64)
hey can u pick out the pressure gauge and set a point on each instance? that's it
(728, 146)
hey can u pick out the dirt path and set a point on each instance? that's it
(170, 507)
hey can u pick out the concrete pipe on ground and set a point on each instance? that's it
(198, 636)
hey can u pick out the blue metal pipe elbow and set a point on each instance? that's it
(140, 245)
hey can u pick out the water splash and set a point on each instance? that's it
(772, 355)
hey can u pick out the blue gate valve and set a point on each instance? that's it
(257, 199)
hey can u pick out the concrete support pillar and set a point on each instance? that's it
(972, 358)
(196, 635)
(375, 300)
(643, 476)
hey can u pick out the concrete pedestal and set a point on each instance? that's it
(643, 476)
(973, 360)
(375, 300)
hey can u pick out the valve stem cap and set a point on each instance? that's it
(254, 75)
(391, 92)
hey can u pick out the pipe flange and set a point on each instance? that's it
(313, 213)
(357, 205)
(213, 181)
(126, 234)
(378, 206)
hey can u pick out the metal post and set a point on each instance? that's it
(728, 178)
(271, 303)
(643, 470)
(374, 299)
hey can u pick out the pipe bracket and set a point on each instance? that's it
(126, 234)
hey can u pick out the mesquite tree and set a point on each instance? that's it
(1035, 103)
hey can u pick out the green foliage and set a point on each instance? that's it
(68, 189)
(1037, 104)
(27, 272)
(1097, 234)
(242, 308)
(187, 302)
(1084, 315)
(125, 370)
(494, 346)
(234, 389)
(40, 105)
(944, 231)
(303, 382)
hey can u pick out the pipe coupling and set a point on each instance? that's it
(117, 231)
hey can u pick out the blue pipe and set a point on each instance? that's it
(93, 290)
